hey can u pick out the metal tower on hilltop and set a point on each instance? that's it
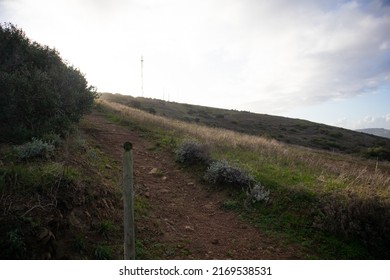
(142, 76)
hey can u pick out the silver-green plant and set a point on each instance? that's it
(258, 193)
(190, 152)
(36, 148)
(222, 173)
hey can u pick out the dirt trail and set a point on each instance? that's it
(187, 215)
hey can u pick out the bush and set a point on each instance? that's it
(221, 173)
(34, 149)
(356, 218)
(258, 194)
(191, 152)
(102, 253)
(39, 93)
(380, 153)
(53, 139)
(151, 110)
(135, 104)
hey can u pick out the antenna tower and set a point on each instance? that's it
(142, 76)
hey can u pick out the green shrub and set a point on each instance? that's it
(79, 244)
(222, 173)
(52, 138)
(102, 253)
(151, 110)
(105, 227)
(13, 245)
(135, 104)
(37, 148)
(191, 152)
(230, 204)
(380, 153)
(258, 193)
(39, 93)
(16, 238)
(38, 177)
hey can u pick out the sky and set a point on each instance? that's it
(324, 61)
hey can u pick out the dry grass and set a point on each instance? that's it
(208, 135)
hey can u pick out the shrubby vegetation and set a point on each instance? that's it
(258, 194)
(36, 148)
(39, 93)
(222, 173)
(380, 153)
(191, 152)
(356, 218)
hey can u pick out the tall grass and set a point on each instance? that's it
(215, 136)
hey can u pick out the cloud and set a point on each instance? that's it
(323, 54)
(366, 122)
(375, 122)
(265, 56)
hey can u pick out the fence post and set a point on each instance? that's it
(128, 202)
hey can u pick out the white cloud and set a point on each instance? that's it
(268, 55)
(307, 55)
(366, 122)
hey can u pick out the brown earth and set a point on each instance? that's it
(185, 218)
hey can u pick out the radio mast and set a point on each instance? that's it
(142, 76)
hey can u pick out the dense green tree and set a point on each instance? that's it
(39, 93)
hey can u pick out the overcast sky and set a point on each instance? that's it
(325, 61)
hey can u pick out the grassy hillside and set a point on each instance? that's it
(287, 130)
(59, 201)
(336, 203)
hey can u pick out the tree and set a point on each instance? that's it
(39, 93)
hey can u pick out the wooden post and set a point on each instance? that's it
(128, 202)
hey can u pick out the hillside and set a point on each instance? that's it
(287, 130)
(66, 204)
(376, 131)
(317, 199)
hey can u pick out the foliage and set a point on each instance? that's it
(39, 93)
(14, 235)
(38, 177)
(105, 227)
(380, 153)
(191, 152)
(230, 204)
(79, 244)
(13, 245)
(258, 194)
(37, 148)
(102, 253)
(53, 139)
(356, 218)
(222, 173)
(135, 104)
(151, 110)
